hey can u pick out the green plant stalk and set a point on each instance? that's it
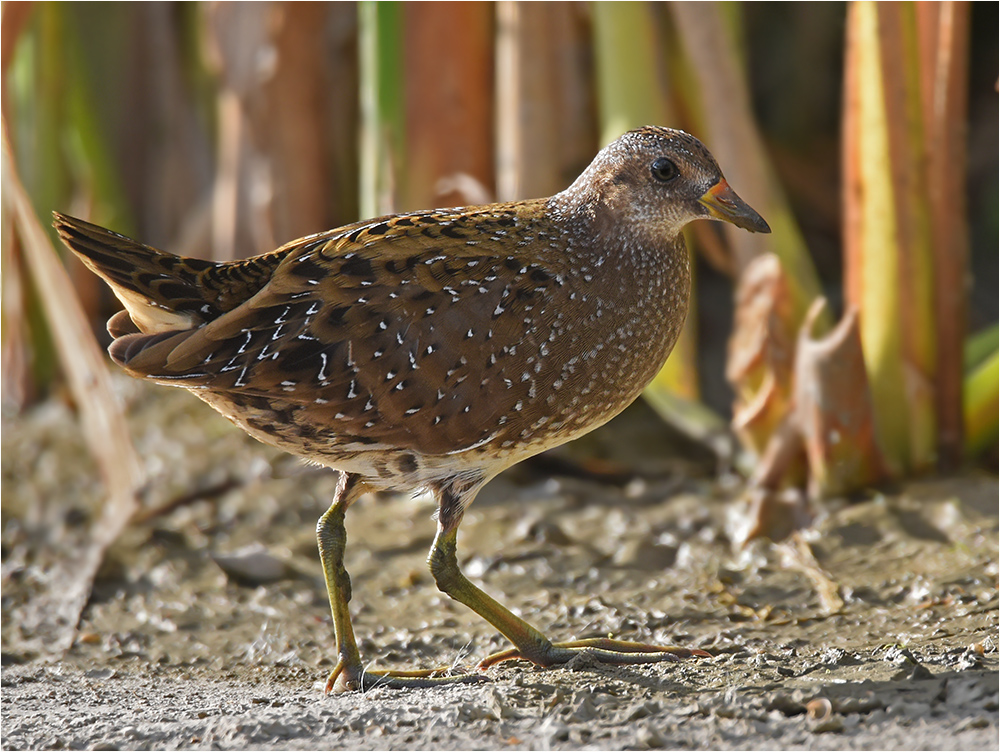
(916, 315)
(630, 92)
(888, 237)
(878, 296)
(980, 346)
(36, 94)
(46, 177)
(786, 240)
(943, 35)
(981, 404)
(712, 38)
(383, 119)
(86, 125)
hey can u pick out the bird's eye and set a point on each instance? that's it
(664, 170)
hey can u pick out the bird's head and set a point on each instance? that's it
(657, 180)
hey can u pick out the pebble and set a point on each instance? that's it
(648, 737)
(899, 656)
(976, 722)
(583, 709)
(919, 671)
(785, 704)
(906, 709)
(252, 565)
(832, 725)
(499, 708)
(100, 673)
(838, 657)
(645, 555)
(644, 710)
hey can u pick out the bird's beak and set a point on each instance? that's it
(723, 203)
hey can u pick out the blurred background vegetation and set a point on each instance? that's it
(866, 134)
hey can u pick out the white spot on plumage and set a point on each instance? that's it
(243, 347)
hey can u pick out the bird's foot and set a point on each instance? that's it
(350, 678)
(603, 649)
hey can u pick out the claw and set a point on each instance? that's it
(342, 680)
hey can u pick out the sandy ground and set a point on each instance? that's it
(208, 626)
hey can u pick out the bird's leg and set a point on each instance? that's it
(331, 534)
(349, 673)
(529, 643)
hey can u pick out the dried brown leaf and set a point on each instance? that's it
(833, 407)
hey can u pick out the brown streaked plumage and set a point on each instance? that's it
(436, 348)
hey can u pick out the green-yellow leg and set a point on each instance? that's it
(349, 673)
(529, 643)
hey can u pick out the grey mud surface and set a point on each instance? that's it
(208, 627)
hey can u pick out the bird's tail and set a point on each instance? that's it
(161, 292)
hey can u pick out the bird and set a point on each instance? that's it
(430, 350)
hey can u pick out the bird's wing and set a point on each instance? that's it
(389, 330)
